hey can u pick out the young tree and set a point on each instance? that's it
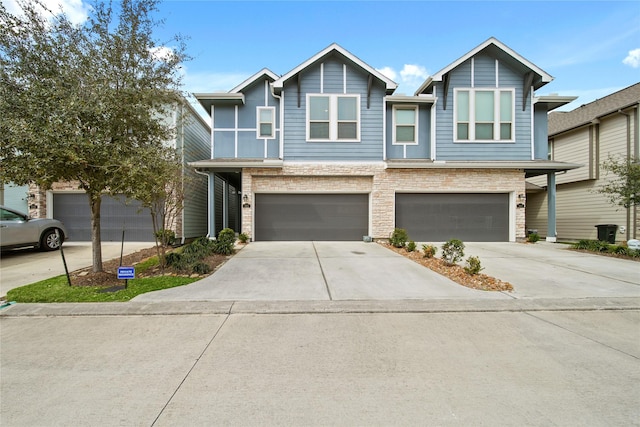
(624, 187)
(84, 103)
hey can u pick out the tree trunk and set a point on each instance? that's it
(96, 243)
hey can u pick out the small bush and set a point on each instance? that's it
(411, 246)
(243, 237)
(429, 251)
(198, 249)
(533, 237)
(176, 260)
(399, 237)
(453, 251)
(200, 268)
(473, 266)
(225, 242)
(166, 237)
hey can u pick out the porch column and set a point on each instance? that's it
(551, 207)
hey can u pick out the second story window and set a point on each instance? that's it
(484, 115)
(405, 124)
(266, 122)
(333, 117)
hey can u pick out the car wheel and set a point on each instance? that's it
(50, 241)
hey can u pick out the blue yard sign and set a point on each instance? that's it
(126, 273)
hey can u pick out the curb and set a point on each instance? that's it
(317, 307)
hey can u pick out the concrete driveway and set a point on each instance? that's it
(21, 267)
(289, 271)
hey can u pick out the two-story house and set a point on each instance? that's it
(328, 152)
(589, 135)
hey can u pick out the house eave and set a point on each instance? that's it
(207, 100)
(402, 99)
(234, 164)
(552, 102)
(530, 167)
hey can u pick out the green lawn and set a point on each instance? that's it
(58, 290)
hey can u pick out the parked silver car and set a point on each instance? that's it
(18, 230)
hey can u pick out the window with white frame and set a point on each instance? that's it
(405, 124)
(484, 114)
(266, 122)
(333, 117)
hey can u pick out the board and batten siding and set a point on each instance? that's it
(329, 77)
(235, 127)
(484, 76)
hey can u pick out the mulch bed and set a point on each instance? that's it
(454, 272)
(109, 277)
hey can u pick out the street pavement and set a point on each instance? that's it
(413, 348)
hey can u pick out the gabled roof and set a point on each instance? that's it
(498, 49)
(331, 49)
(264, 72)
(564, 121)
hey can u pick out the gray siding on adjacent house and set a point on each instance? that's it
(332, 81)
(195, 145)
(235, 134)
(420, 151)
(484, 76)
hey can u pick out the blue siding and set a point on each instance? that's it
(484, 76)
(249, 146)
(540, 134)
(370, 146)
(420, 151)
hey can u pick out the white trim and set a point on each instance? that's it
(212, 132)
(266, 93)
(513, 209)
(472, 115)
(247, 82)
(322, 77)
(390, 84)
(416, 111)
(473, 72)
(404, 151)
(273, 123)
(532, 133)
(384, 128)
(344, 78)
(333, 117)
(235, 139)
(434, 111)
(281, 149)
(498, 73)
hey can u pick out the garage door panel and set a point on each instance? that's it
(475, 217)
(311, 216)
(116, 213)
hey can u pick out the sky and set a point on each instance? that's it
(591, 48)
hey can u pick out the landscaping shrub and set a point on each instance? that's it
(243, 237)
(225, 242)
(200, 268)
(398, 238)
(473, 266)
(533, 237)
(166, 237)
(176, 260)
(411, 246)
(453, 251)
(429, 251)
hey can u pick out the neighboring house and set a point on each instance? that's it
(328, 152)
(588, 135)
(15, 196)
(66, 202)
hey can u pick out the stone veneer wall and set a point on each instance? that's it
(382, 184)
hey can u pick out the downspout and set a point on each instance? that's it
(281, 138)
(629, 209)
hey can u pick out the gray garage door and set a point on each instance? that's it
(305, 217)
(73, 210)
(440, 217)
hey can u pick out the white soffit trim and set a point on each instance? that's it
(279, 83)
(250, 80)
(546, 77)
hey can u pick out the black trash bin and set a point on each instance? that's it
(607, 232)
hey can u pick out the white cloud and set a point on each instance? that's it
(633, 59)
(77, 11)
(162, 53)
(413, 76)
(388, 72)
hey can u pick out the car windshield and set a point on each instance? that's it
(6, 215)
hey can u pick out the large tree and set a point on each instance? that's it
(85, 103)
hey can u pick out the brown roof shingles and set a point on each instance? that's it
(561, 121)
